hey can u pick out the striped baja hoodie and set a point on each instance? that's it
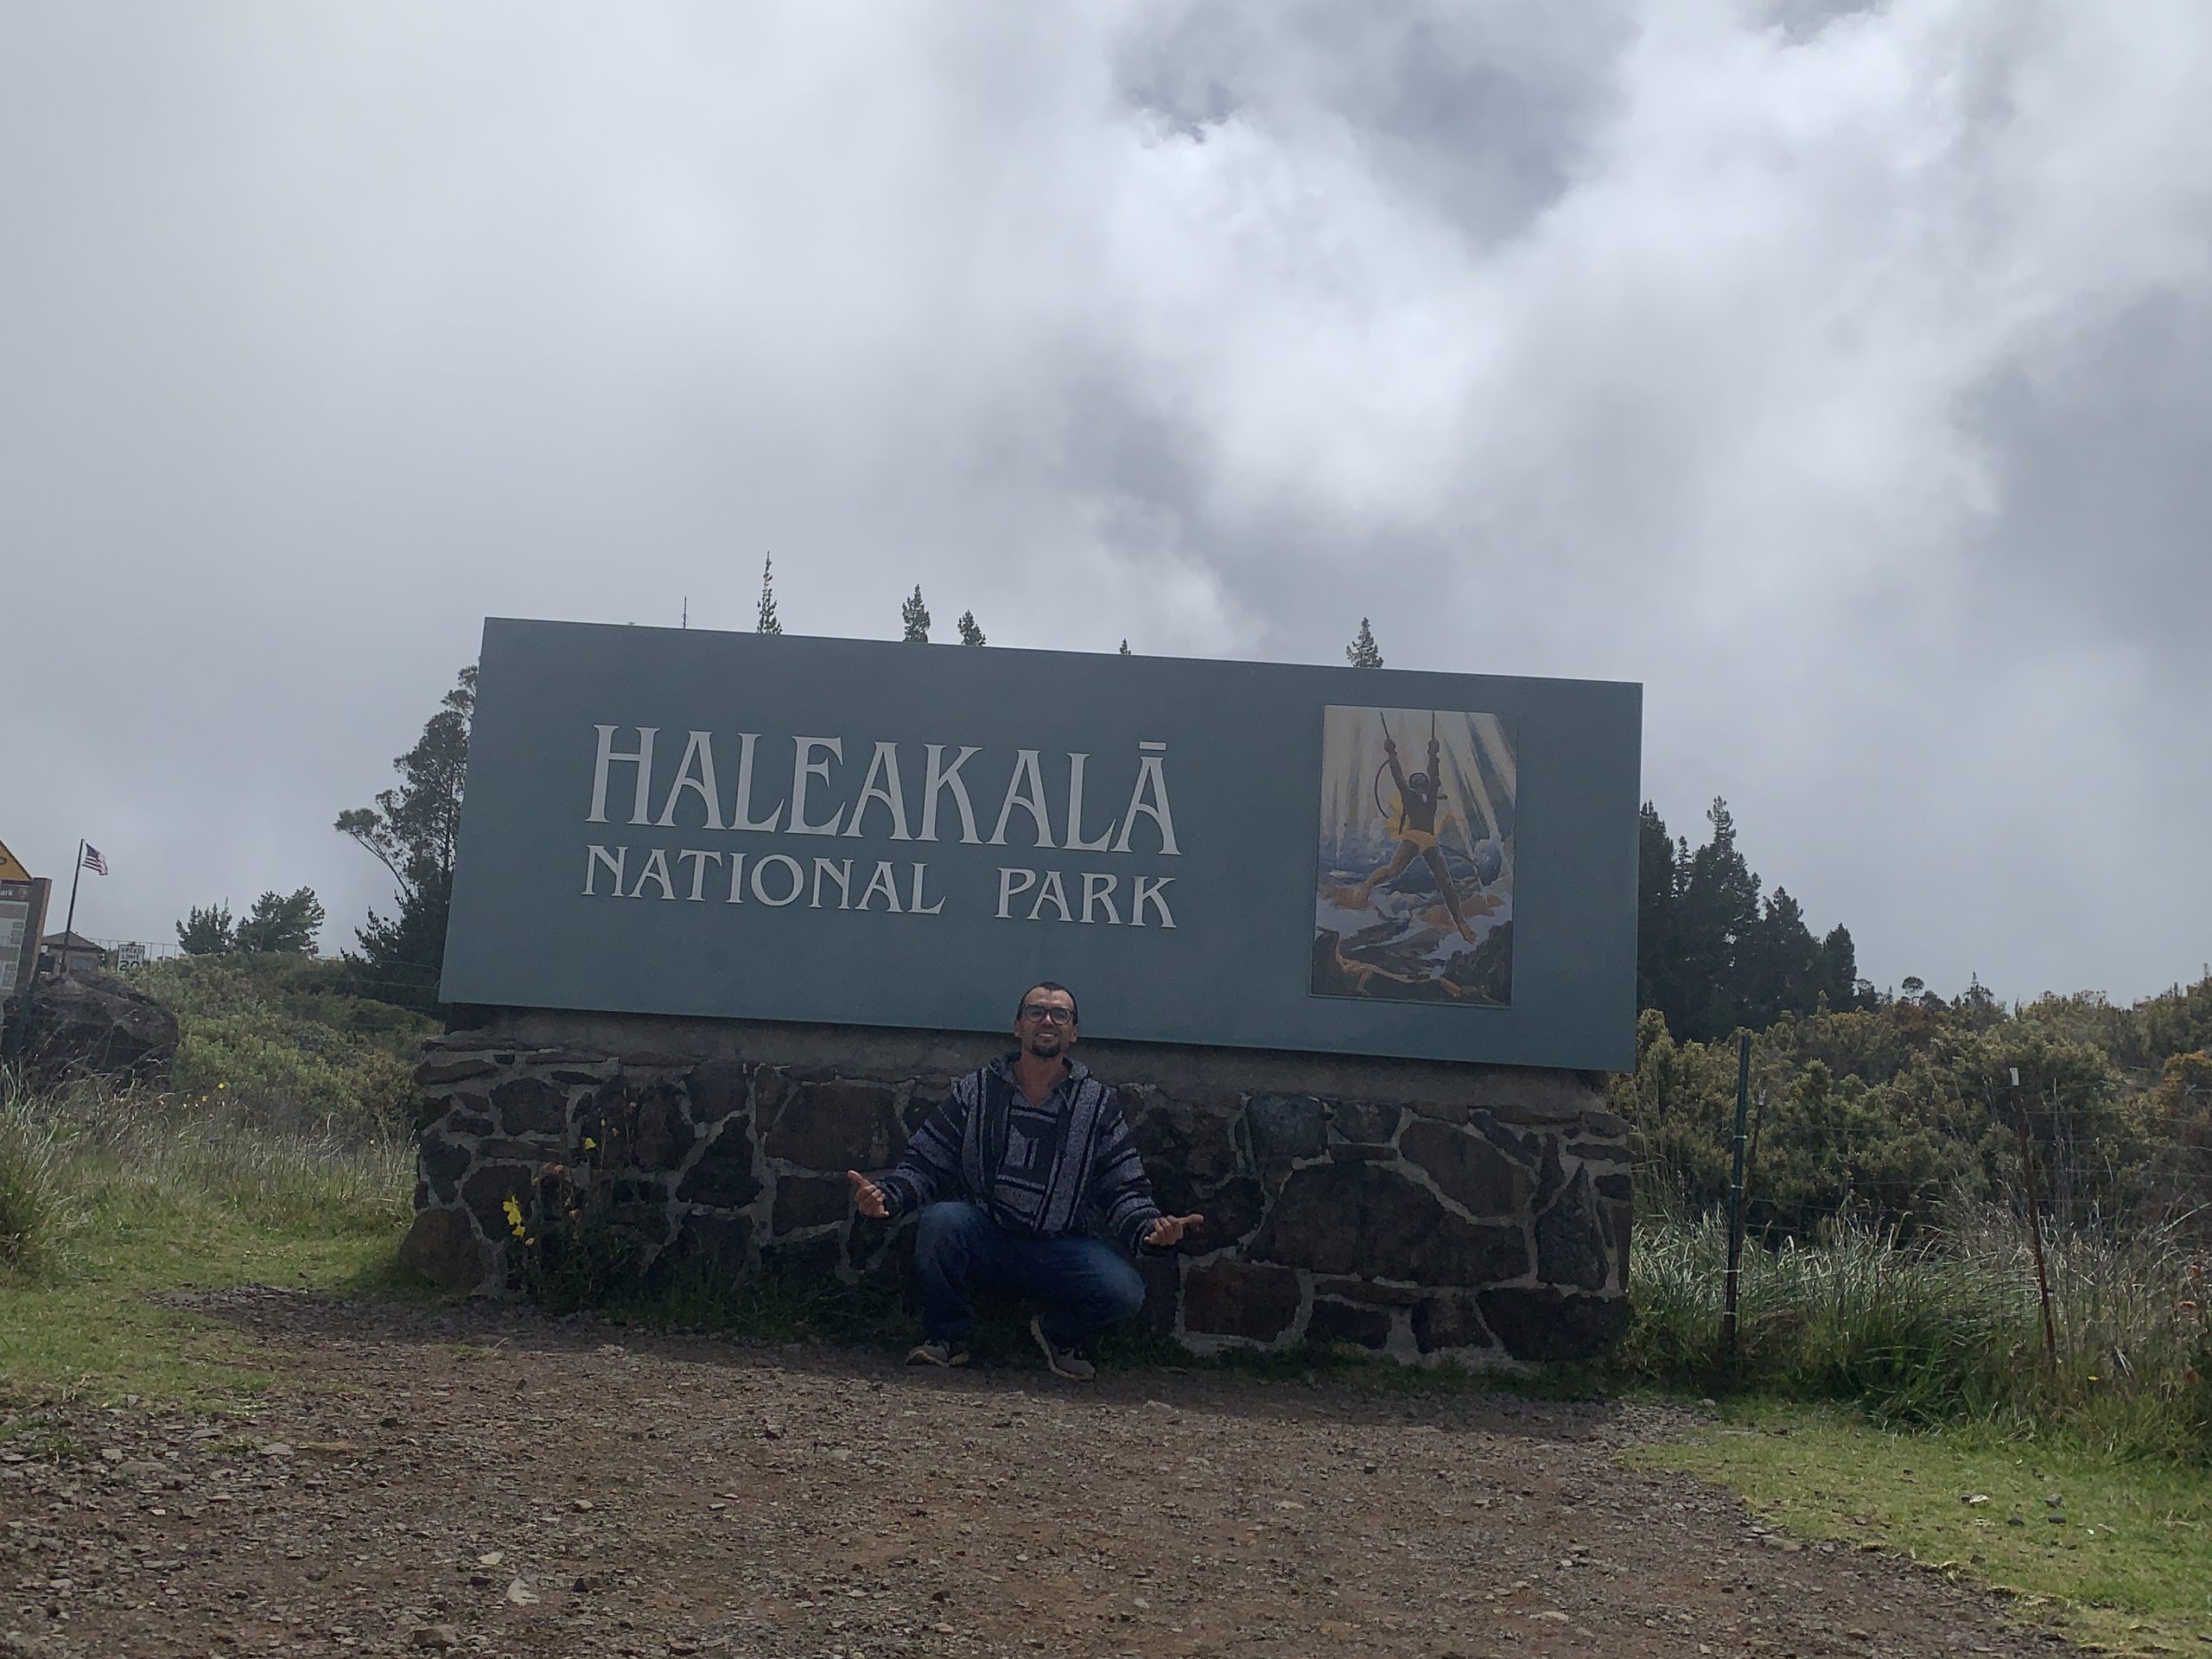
(1068, 1164)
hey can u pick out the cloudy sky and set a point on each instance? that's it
(1843, 373)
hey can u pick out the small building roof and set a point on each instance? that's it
(70, 941)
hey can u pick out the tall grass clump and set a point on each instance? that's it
(1943, 1327)
(32, 1195)
(91, 1153)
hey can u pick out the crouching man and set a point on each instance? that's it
(1010, 1176)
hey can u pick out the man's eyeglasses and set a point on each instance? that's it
(1054, 1016)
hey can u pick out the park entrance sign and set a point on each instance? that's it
(732, 911)
(1376, 862)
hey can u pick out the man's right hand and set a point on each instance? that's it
(867, 1197)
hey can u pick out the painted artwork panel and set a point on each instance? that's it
(1413, 898)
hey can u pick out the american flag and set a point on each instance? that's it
(93, 862)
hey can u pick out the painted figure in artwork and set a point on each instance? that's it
(1413, 889)
(1414, 826)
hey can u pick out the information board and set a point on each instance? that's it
(1353, 860)
(22, 915)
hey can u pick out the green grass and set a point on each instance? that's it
(2130, 1566)
(142, 1197)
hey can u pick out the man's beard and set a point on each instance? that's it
(1046, 1045)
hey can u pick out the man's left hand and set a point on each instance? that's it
(1168, 1232)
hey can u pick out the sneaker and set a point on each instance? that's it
(1061, 1362)
(945, 1354)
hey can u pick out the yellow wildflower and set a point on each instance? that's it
(513, 1211)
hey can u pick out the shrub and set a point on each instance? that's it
(278, 1037)
(30, 1189)
(1891, 1115)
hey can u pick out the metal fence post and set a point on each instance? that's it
(2035, 1224)
(1736, 1197)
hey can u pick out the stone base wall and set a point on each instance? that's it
(1478, 1214)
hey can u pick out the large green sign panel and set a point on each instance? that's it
(1250, 854)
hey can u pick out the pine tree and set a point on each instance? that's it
(282, 925)
(971, 633)
(1362, 652)
(1125, 647)
(1840, 972)
(768, 622)
(410, 830)
(1719, 908)
(1782, 970)
(1658, 890)
(916, 616)
(206, 933)
(1711, 956)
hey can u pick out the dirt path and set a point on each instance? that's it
(482, 1481)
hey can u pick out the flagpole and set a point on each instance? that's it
(75, 876)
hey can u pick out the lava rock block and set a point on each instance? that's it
(1571, 1239)
(1367, 1327)
(838, 1126)
(1621, 1226)
(1367, 1221)
(435, 1073)
(443, 1248)
(531, 1106)
(469, 1114)
(441, 1164)
(1537, 1324)
(723, 1176)
(804, 1201)
(662, 1136)
(724, 1241)
(1162, 1288)
(1185, 1148)
(1232, 1212)
(1449, 1321)
(1466, 1168)
(1364, 1124)
(1240, 1299)
(1551, 1176)
(717, 1088)
(1283, 1129)
(487, 1190)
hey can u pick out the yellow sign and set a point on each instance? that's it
(11, 868)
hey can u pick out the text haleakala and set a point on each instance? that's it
(803, 786)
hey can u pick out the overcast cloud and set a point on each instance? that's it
(1844, 374)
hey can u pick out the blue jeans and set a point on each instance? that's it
(1084, 1283)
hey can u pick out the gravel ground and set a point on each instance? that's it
(480, 1481)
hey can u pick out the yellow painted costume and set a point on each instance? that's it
(1424, 840)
